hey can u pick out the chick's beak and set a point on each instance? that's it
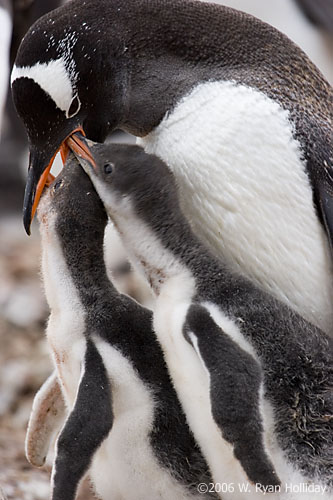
(40, 176)
(78, 144)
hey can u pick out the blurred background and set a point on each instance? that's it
(24, 360)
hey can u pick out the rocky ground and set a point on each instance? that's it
(24, 360)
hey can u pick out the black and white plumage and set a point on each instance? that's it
(265, 372)
(125, 424)
(238, 112)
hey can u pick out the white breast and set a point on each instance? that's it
(244, 188)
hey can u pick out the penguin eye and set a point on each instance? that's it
(108, 168)
(74, 108)
(57, 185)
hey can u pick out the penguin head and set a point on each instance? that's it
(70, 205)
(130, 181)
(56, 92)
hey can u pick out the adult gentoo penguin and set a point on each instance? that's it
(126, 425)
(243, 363)
(237, 111)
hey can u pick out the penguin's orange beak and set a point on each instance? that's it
(74, 141)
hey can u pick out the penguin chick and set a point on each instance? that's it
(241, 361)
(126, 425)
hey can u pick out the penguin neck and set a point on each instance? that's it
(141, 119)
(162, 251)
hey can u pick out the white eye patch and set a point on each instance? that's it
(53, 78)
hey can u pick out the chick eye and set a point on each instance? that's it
(57, 185)
(74, 108)
(108, 168)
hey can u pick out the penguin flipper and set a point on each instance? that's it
(46, 417)
(87, 426)
(235, 380)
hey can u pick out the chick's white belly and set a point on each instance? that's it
(125, 467)
(243, 186)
